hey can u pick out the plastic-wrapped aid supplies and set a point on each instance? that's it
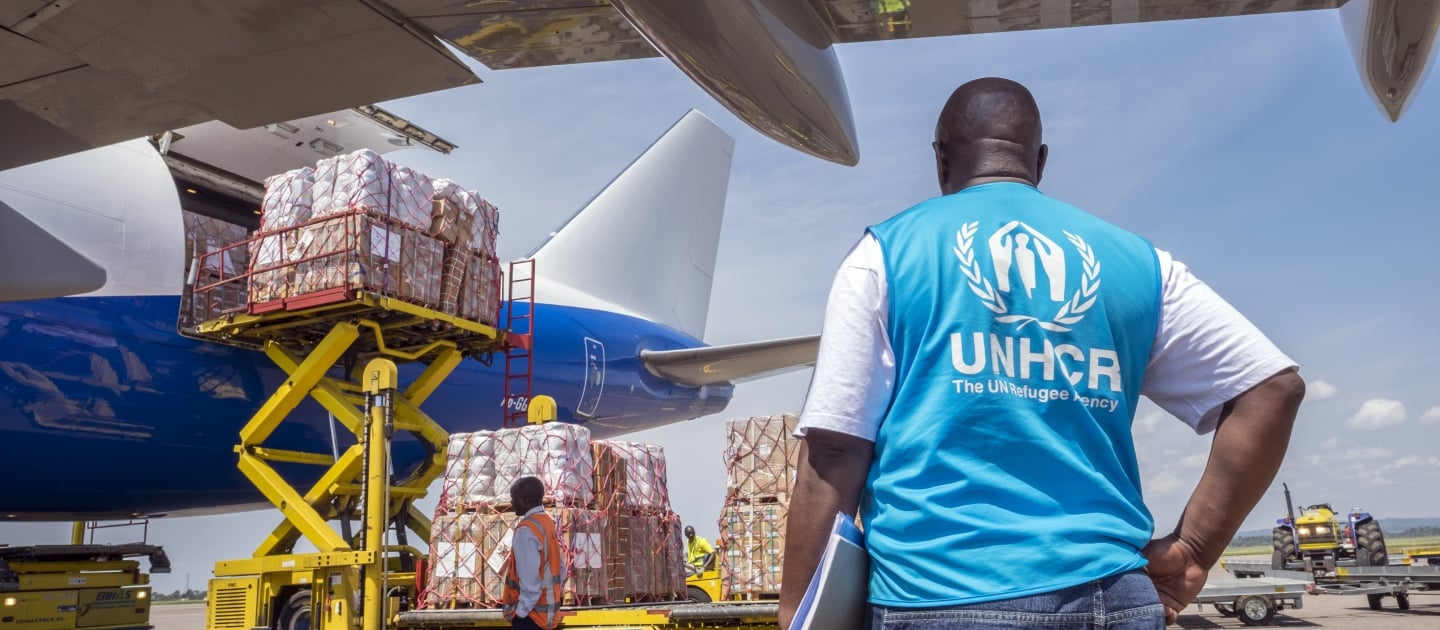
(356, 222)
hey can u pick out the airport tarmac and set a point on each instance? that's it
(1319, 611)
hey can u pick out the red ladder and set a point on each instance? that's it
(519, 352)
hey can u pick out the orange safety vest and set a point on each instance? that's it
(547, 609)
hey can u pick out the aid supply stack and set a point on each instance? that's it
(359, 223)
(209, 260)
(611, 509)
(644, 553)
(760, 462)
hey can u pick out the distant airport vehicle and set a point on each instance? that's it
(1319, 540)
(83, 75)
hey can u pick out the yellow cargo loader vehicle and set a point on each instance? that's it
(60, 587)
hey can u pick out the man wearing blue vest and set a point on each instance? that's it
(982, 357)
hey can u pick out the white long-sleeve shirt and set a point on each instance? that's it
(528, 551)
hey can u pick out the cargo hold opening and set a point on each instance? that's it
(213, 219)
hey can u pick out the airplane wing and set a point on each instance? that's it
(81, 75)
(735, 363)
(84, 74)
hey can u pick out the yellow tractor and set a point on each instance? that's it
(1319, 539)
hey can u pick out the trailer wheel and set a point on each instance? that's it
(1283, 540)
(1375, 601)
(1402, 601)
(1370, 545)
(1225, 610)
(1255, 610)
(295, 615)
(697, 594)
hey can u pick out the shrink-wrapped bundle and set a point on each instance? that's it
(753, 543)
(270, 274)
(761, 455)
(410, 198)
(359, 180)
(467, 556)
(421, 272)
(349, 251)
(557, 453)
(631, 476)
(288, 199)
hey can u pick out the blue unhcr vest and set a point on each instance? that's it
(1004, 466)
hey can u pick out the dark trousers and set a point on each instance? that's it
(524, 623)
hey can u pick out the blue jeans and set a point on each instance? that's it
(1121, 602)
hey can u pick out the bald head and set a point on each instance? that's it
(988, 131)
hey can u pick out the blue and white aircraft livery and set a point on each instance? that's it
(112, 412)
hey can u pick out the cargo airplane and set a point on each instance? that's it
(101, 399)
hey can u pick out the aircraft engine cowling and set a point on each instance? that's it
(776, 68)
(1393, 42)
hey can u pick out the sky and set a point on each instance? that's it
(1247, 147)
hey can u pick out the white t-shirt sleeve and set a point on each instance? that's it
(855, 370)
(1205, 352)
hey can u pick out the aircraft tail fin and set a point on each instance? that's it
(646, 245)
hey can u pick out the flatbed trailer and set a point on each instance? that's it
(1375, 583)
(655, 616)
(1254, 600)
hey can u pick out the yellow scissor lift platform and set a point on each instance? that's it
(319, 348)
(362, 583)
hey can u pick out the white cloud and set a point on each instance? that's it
(1372, 452)
(1331, 443)
(1197, 460)
(1431, 416)
(1317, 391)
(1378, 413)
(1163, 484)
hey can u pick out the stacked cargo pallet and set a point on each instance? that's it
(608, 499)
(210, 260)
(358, 222)
(760, 461)
(644, 557)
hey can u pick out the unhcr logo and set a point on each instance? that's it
(1020, 255)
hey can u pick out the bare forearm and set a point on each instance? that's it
(1248, 448)
(831, 475)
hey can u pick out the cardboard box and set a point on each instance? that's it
(753, 539)
(421, 265)
(761, 456)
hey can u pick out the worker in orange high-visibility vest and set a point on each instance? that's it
(534, 569)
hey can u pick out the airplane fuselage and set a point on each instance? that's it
(106, 410)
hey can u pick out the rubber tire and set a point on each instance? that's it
(1225, 610)
(1254, 610)
(295, 614)
(1402, 601)
(1375, 601)
(697, 594)
(1283, 541)
(1370, 545)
